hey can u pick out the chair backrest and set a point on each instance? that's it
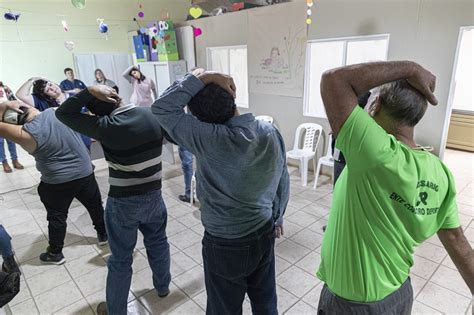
(266, 118)
(329, 153)
(311, 131)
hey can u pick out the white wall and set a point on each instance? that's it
(42, 52)
(424, 31)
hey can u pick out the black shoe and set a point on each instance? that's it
(52, 259)
(102, 308)
(184, 198)
(324, 228)
(102, 239)
(164, 294)
(9, 287)
(10, 265)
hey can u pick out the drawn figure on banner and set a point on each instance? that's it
(275, 63)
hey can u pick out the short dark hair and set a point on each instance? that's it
(68, 69)
(38, 90)
(101, 108)
(402, 102)
(213, 105)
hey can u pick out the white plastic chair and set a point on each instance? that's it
(266, 118)
(327, 160)
(307, 150)
(193, 190)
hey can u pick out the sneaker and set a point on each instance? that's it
(164, 294)
(10, 265)
(102, 308)
(9, 287)
(184, 198)
(102, 239)
(52, 259)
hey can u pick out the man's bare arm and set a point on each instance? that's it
(17, 134)
(341, 86)
(460, 252)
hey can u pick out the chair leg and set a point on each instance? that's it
(191, 196)
(316, 176)
(304, 172)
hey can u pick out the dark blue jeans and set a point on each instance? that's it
(11, 148)
(123, 218)
(5, 244)
(187, 166)
(233, 267)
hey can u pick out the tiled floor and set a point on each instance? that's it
(78, 286)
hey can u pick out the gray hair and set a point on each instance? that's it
(402, 102)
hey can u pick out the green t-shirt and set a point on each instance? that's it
(388, 199)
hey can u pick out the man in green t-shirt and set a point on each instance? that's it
(391, 196)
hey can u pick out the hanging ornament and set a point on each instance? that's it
(197, 31)
(69, 45)
(195, 12)
(103, 28)
(308, 21)
(141, 15)
(10, 16)
(309, 12)
(65, 27)
(79, 4)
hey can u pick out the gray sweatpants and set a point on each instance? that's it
(398, 303)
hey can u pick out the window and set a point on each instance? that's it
(231, 60)
(463, 98)
(322, 55)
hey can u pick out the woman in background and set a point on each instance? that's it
(43, 94)
(100, 79)
(142, 87)
(7, 95)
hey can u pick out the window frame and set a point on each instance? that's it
(346, 40)
(228, 48)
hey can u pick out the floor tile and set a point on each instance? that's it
(27, 307)
(291, 251)
(191, 281)
(184, 239)
(297, 281)
(443, 300)
(301, 308)
(47, 280)
(312, 297)
(22, 296)
(181, 263)
(308, 239)
(189, 307)
(281, 265)
(417, 283)
(81, 307)
(452, 280)
(92, 282)
(423, 267)
(142, 282)
(310, 263)
(302, 218)
(195, 252)
(157, 305)
(136, 308)
(422, 309)
(431, 252)
(285, 299)
(58, 298)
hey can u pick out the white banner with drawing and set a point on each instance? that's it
(276, 50)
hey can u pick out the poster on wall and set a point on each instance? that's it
(276, 49)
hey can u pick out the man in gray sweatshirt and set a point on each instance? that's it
(242, 183)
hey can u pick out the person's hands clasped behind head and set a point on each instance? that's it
(106, 100)
(425, 82)
(223, 80)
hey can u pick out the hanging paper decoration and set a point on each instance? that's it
(153, 40)
(167, 47)
(65, 27)
(309, 12)
(69, 45)
(13, 17)
(197, 31)
(79, 4)
(195, 12)
(143, 31)
(238, 6)
(103, 28)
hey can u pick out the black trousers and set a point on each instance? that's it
(399, 302)
(58, 197)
